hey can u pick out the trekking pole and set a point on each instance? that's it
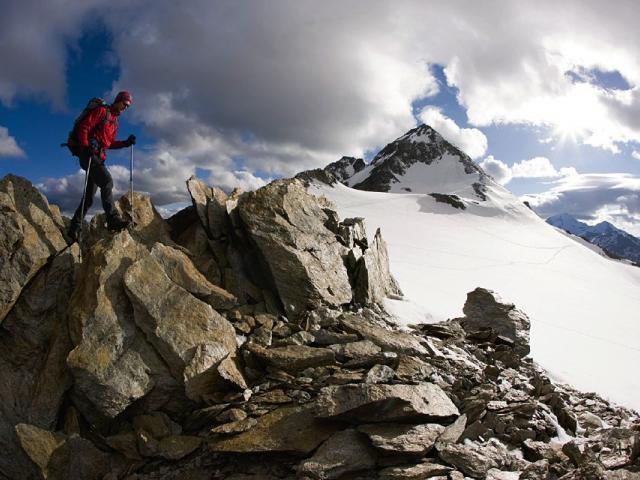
(84, 195)
(131, 184)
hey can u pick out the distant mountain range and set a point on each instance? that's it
(615, 242)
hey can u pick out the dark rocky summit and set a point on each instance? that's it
(420, 145)
(246, 338)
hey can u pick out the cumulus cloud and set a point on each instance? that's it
(34, 37)
(537, 167)
(288, 85)
(470, 140)
(499, 170)
(636, 154)
(594, 198)
(8, 145)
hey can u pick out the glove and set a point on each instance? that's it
(94, 147)
(131, 140)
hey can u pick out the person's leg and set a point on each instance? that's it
(87, 200)
(103, 179)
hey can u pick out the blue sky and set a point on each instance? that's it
(242, 94)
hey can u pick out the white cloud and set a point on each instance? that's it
(8, 145)
(636, 154)
(470, 140)
(595, 198)
(537, 167)
(499, 170)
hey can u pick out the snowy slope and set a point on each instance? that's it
(584, 308)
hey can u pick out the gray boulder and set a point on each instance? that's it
(403, 439)
(369, 402)
(484, 310)
(372, 278)
(345, 452)
(112, 363)
(289, 226)
(191, 337)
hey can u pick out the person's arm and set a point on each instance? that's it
(88, 123)
(116, 144)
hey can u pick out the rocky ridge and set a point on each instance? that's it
(245, 338)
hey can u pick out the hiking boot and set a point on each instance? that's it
(116, 223)
(74, 233)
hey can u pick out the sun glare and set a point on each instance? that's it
(573, 114)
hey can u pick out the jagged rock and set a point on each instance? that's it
(147, 445)
(175, 322)
(373, 280)
(126, 444)
(452, 433)
(476, 460)
(199, 419)
(495, 474)
(380, 374)
(157, 424)
(38, 444)
(149, 227)
(201, 375)
(182, 272)
(412, 369)
(112, 363)
(175, 447)
(485, 310)
(535, 471)
(194, 239)
(30, 233)
(392, 340)
(403, 439)
(293, 358)
(231, 415)
(274, 397)
(298, 338)
(365, 352)
(34, 343)
(237, 426)
(303, 255)
(420, 471)
(287, 429)
(210, 204)
(353, 233)
(78, 458)
(622, 474)
(326, 337)
(230, 372)
(344, 452)
(385, 403)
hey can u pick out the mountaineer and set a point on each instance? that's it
(94, 132)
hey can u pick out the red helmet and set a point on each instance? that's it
(125, 97)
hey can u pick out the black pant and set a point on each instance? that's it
(99, 176)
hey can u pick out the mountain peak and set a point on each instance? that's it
(422, 133)
(422, 161)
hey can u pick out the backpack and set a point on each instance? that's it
(72, 141)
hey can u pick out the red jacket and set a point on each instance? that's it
(92, 126)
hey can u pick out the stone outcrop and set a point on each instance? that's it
(180, 349)
(303, 255)
(30, 234)
(487, 316)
